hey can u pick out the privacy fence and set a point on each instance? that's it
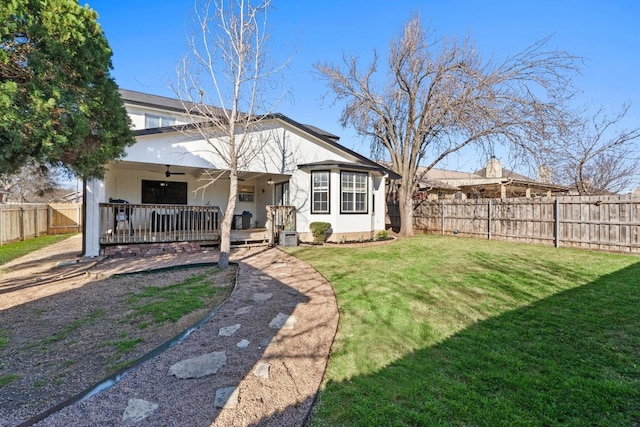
(23, 221)
(610, 223)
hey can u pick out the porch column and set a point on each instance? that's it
(503, 191)
(528, 193)
(94, 194)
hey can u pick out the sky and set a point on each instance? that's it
(148, 38)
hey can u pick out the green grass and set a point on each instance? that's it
(170, 303)
(15, 250)
(4, 339)
(449, 331)
(7, 379)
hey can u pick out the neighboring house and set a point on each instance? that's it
(171, 189)
(493, 181)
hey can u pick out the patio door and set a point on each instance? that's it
(281, 194)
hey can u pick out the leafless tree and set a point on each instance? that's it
(222, 82)
(441, 96)
(33, 183)
(595, 157)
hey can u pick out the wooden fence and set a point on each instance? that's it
(609, 223)
(24, 221)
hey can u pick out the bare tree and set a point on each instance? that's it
(32, 183)
(595, 157)
(440, 96)
(221, 84)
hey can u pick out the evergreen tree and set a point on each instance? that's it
(58, 102)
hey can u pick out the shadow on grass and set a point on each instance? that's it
(570, 359)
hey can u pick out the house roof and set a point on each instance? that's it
(170, 104)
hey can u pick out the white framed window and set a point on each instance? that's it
(155, 121)
(320, 192)
(354, 192)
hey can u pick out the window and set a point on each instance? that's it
(353, 197)
(320, 192)
(164, 192)
(153, 121)
(246, 193)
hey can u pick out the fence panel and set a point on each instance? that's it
(609, 223)
(24, 221)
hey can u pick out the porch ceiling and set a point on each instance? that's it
(195, 172)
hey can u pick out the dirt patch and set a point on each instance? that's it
(59, 345)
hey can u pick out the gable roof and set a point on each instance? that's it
(175, 105)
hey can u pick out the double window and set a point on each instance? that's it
(353, 195)
(354, 192)
(320, 192)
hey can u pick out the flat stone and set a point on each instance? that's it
(262, 297)
(227, 397)
(243, 344)
(200, 366)
(283, 321)
(244, 310)
(229, 330)
(137, 410)
(262, 370)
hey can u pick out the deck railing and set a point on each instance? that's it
(280, 218)
(123, 223)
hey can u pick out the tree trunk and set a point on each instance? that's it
(225, 229)
(405, 199)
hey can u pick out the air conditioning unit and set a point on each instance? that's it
(288, 238)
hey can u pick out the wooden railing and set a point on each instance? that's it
(280, 218)
(124, 223)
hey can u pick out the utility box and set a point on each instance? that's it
(288, 239)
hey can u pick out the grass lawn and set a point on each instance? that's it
(446, 331)
(14, 250)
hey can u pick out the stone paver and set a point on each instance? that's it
(229, 330)
(262, 370)
(227, 397)
(283, 321)
(200, 366)
(137, 410)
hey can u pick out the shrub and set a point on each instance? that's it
(319, 231)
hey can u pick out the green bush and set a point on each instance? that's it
(319, 231)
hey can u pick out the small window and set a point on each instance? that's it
(246, 193)
(320, 192)
(354, 193)
(154, 121)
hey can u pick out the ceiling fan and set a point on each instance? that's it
(168, 173)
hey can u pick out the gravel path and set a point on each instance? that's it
(275, 359)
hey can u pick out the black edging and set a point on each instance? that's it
(114, 378)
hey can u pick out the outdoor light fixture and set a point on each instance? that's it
(269, 181)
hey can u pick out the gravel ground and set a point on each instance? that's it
(297, 357)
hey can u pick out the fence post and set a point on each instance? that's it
(36, 214)
(442, 219)
(489, 220)
(556, 222)
(21, 218)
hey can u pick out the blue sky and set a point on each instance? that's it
(149, 37)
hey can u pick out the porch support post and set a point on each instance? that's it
(94, 194)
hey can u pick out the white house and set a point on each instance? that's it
(171, 189)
